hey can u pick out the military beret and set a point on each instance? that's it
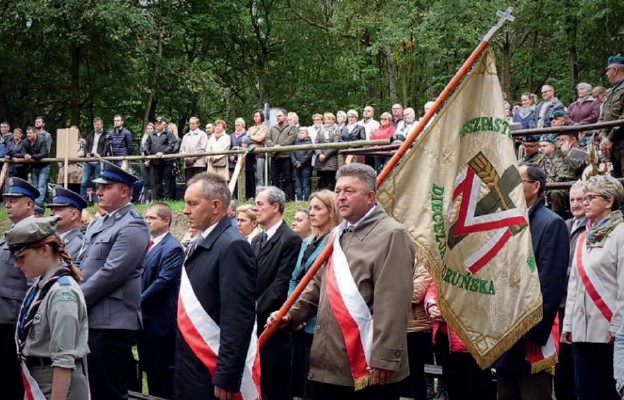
(111, 173)
(19, 188)
(531, 139)
(558, 114)
(161, 119)
(616, 59)
(547, 138)
(66, 198)
(30, 230)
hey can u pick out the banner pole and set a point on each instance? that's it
(504, 16)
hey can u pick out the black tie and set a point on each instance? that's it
(265, 239)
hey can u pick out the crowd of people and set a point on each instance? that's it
(73, 304)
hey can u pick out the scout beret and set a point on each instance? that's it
(111, 173)
(19, 188)
(66, 198)
(616, 59)
(30, 230)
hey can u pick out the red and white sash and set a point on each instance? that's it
(545, 358)
(352, 313)
(32, 390)
(202, 334)
(601, 297)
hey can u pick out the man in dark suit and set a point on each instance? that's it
(216, 344)
(159, 296)
(111, 260)
(276, 251)
(68, 205)
(549, 238)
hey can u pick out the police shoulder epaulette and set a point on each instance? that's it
(64, 281)
(135, 214)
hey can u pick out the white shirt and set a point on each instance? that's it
(369, 126)
(96, 139)
(206, 232)
(271, 231)
(158, 239)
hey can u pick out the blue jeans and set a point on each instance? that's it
(302, 183)
(39, 177)
(91, 171)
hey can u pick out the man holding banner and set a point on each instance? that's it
(362, 299)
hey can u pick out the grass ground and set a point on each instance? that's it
(179, 225)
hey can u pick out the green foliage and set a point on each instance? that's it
(73, 60)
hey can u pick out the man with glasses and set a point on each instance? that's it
(121, 139)
(19, 201)
(397, 114)
(545, 109)
(612, 144)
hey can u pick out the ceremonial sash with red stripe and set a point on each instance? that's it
(597, 292)
(352, 313)
(202, 334)
(545, 358)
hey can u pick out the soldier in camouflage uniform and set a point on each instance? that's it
(532, 155)
(613, 108)
(564, 169)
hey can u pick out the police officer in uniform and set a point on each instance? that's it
(68, 205)
(111, 260)
(19, 201)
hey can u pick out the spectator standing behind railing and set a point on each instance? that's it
(526, 113)
(98, 145)
(146, 169)
(546, 107)
(35, 148)
(257, 134)
(352, 131)
(162, 142)
(302, 165)
(326, 161)
(282, 134)
(121, 140)
(612, 139)
(585, 110)
(195, 141)
(15, 151)
(219, 141)
(385, 131)
(405, 127)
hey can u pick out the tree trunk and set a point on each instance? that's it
(391, 66)
(150, 97)
(75, 85)
(572, 25)
(506, 77)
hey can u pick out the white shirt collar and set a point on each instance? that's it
(350, 226)
(271, 231)
(159, 238)
(205, 233)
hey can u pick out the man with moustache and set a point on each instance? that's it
(68, 205)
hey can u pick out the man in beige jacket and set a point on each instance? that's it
(380, 256)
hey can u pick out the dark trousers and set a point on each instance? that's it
(463, 379)
(617, 158)
(157, 359)
(111, 364)
(190, 172)
(419, 349)
(521, 385)
(161, 180)
(10, 374)
(564, 373)
(593, 371)
(302, 183)
(275, 380)
(281, 176)
(327, 180)
(325, 391)
(301, 342)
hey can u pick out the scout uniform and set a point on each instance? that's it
(52, 326)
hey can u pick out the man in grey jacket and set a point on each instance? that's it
(111, 260)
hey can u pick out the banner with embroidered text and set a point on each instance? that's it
(459, 193)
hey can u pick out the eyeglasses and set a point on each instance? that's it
(351, 116)
(590, 197)
(528, 181)
(385, 119)
(546, 91)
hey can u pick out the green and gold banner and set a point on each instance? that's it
(459, 193)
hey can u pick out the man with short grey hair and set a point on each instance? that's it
(545, 109)
(369, 277)
(217, 300)
(276, 251)
(195, 141)
(282, 134)
(397, 114)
